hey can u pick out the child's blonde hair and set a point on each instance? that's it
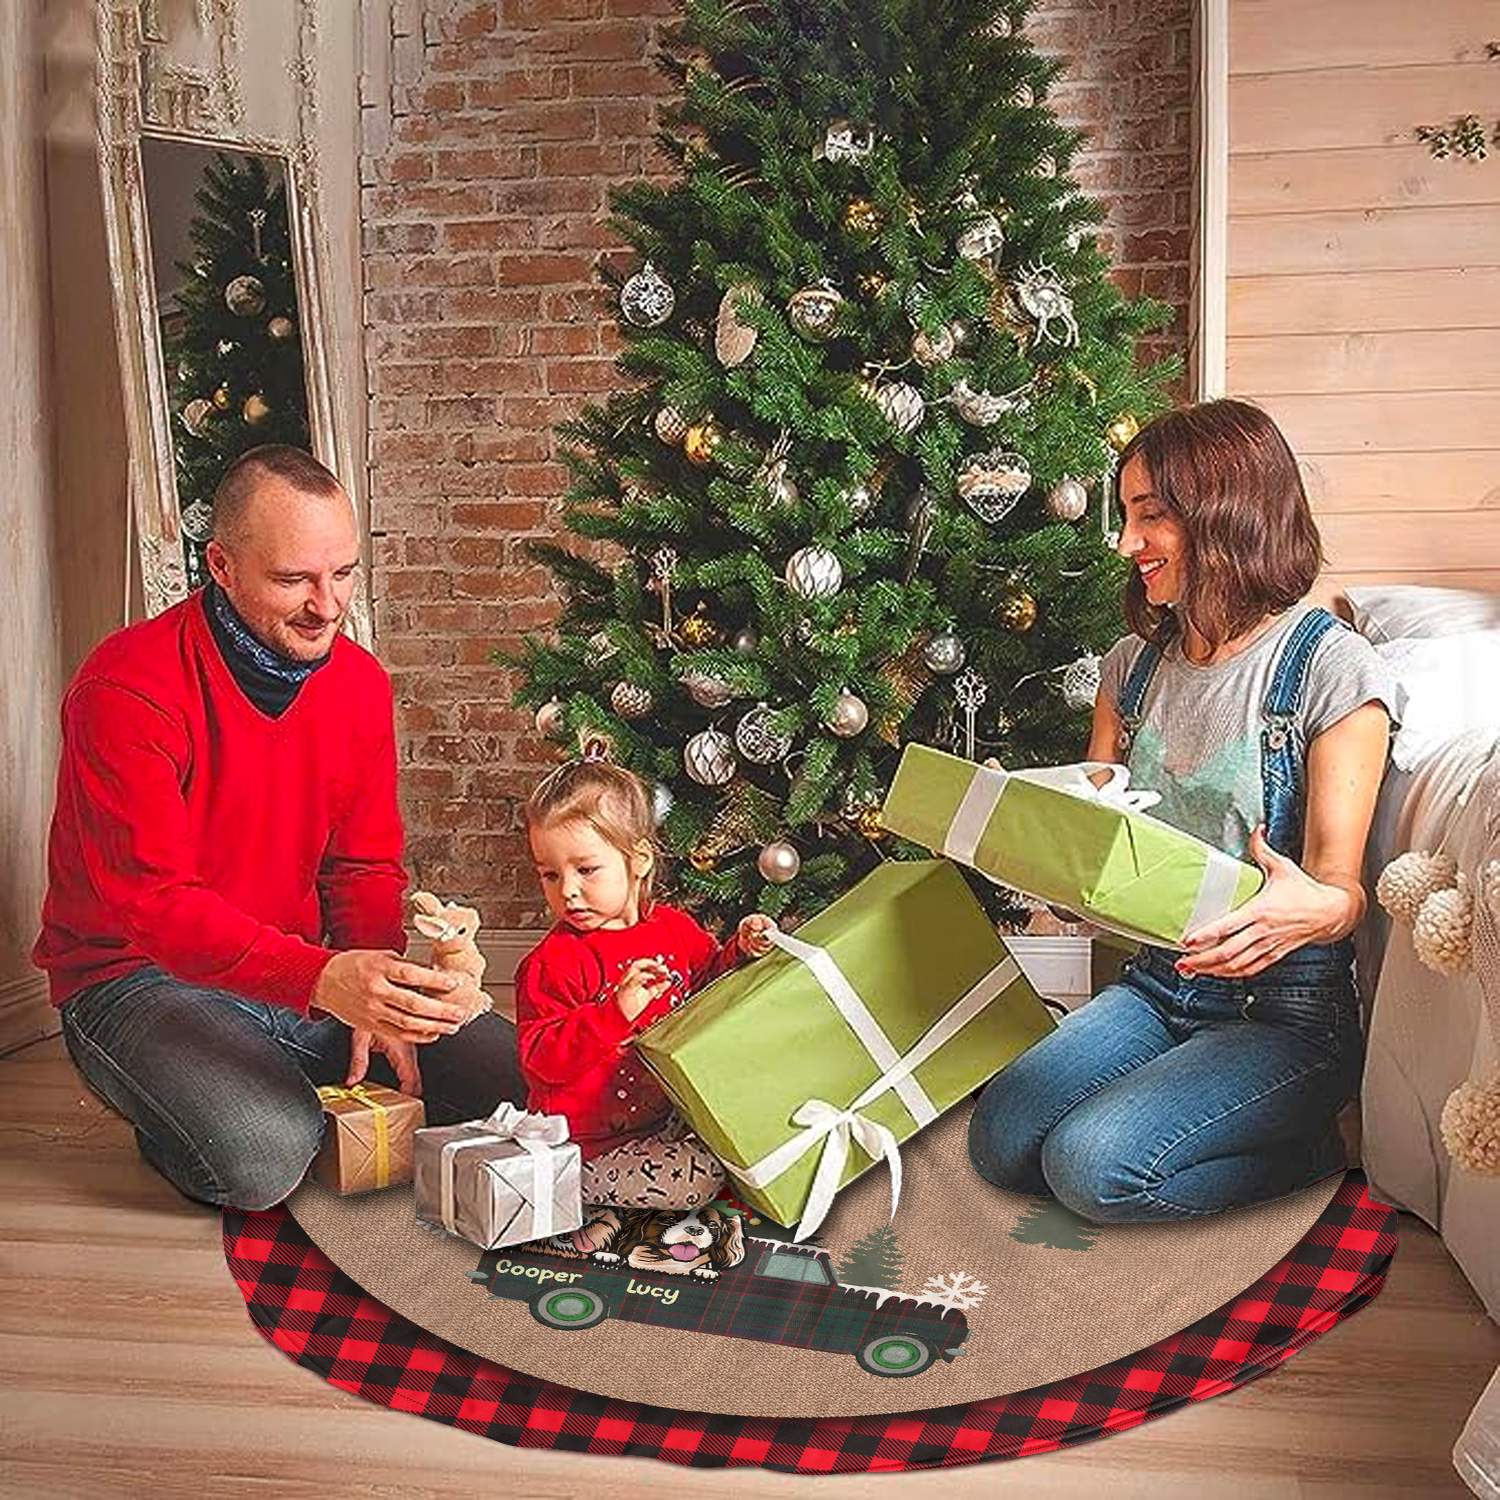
(614, 802)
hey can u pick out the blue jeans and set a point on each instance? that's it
(1170, 1097)
(222, 1091)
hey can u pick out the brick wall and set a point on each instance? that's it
(484, 180)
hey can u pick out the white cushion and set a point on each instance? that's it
(1447, 686)
(1387, 612)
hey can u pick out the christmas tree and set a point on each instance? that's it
(233, 356)
(875, 1261)
(857, 492)
(1056, 1227)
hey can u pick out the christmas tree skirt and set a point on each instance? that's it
(970, 1293)
(318, 1317)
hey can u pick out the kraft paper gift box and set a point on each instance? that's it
(507, 1180)
(367, 1139)
(1054, 835)
(801, 1069)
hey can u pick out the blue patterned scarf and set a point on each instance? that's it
(270, 680)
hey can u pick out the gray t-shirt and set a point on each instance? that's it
(1198, 742)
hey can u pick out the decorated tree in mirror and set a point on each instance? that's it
(231, 339)
(853, 489)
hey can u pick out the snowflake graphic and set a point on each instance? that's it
(957, 1289)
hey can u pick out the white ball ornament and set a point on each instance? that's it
(778, 862)
(1410, 879)
(709, 758)
(814, 573)
(1080, 682)
(944, 653)
(901, 404)
(849, 716)
(758, 738)
(549, 719)
(1470, 1125)
(1067, 500)
(647, 298)
(1443, 933)
(662, 803)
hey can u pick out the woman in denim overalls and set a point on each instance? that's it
(1211, 1079)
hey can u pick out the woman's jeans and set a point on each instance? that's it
(222, 1091)
(1171, 1096)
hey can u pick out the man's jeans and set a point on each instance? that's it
(1169, 1097)
(222, 1091)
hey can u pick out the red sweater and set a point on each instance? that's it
(193, 832)
(575, 1042)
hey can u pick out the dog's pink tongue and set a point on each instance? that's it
(684, 1252)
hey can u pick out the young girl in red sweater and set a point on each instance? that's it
(615, 961)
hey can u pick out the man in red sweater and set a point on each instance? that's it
(223, 920)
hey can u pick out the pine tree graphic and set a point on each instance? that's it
(1058, 1228)
(875, 1261)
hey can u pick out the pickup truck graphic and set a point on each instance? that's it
(779, 1294)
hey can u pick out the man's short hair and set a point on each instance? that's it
(294, 466)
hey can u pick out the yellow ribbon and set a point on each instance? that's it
(330, 1091)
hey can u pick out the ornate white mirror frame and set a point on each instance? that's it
(146, 89)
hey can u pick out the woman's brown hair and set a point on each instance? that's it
(1227, 475)
(614, 802)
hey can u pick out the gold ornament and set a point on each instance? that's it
(870, 824)
(221, 398)
(1017, 610)
(701, 441)
(814, 311)
(1121, 431)
(873, 283)
(704, 861)
(256, 409)
(699, 630)
(281, 329)
(861, 217)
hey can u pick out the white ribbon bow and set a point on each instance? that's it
(837, 1126)
(1077, 781)
(536, 1134)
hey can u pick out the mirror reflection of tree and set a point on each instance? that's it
(233, 354)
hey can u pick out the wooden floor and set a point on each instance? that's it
(128, 1367)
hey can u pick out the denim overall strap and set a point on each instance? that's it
(1142, 670)
(1281, 769)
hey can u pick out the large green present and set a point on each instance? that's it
(802, 1069)
(1054, 835)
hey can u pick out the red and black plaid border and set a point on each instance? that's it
(307, 1307)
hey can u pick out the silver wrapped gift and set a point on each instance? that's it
(507, 1180)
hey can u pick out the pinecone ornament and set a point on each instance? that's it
(1410, 879)
(1470, 1125)
(1443, 933)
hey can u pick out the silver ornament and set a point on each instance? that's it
(814, 573)
(991, 483)
(549, 719)
(758, 738)
(662, 803)
(778, 486)
(196, 416)
(944, 653)
(746, 642)
(245, 296)
(709, 758)
(985, 408)
(982, 242)
(198, 521)
(647, 298)
(860, 498)
(734, 339)
(843, 141)
(281, 329)
(901, 405)
(929, 349)
(671, 426)
(849, 716)
(630, 700)
(1080, 682)
(814, 311)
(778, 862)
(1067, 500)
(706, 690)
(1040, 292)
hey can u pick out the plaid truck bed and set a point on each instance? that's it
(779, 1294)
(315, 1314)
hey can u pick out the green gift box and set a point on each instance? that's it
(1054, 835)
(802, 1069)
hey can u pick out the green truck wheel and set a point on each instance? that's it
(896, 1354)
(568, 1307)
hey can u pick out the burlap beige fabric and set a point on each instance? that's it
(1045, 1294)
